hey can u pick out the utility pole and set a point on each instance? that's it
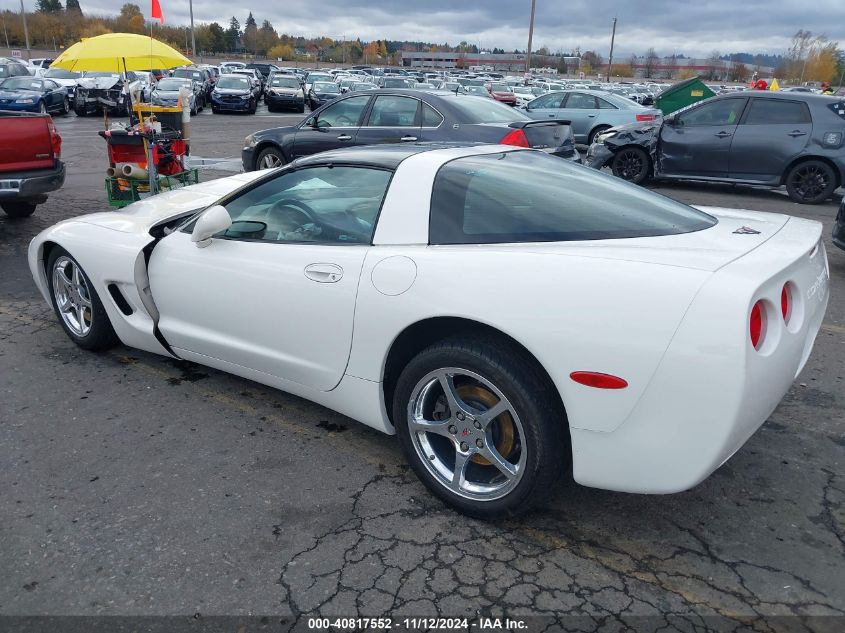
(610, 59)
(193, 41)
(25, 32)
(530, 37)
(6, 33)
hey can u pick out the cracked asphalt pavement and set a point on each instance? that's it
(131, 484)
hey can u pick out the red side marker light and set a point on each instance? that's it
(598, 380)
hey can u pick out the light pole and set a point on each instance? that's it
(193, 41)
(5, 32)
(25, 32)
(530, 37)
(610, 58)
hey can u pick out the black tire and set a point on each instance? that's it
(253, 106)
(194, 109)
(215, 110)
(80, 111)
(65, 106)
(264, 156)
(596, 132)
(534, 401)
(811, 182)
(302, 109)
(631, 164)
(42, 107)
(101, 335)
(18, 208)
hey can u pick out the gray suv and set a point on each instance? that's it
(759, 138)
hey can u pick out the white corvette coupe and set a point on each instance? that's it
(505, 313)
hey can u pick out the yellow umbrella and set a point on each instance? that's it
(116, 52)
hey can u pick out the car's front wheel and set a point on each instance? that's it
(811, 182)
(480, 426)
(18, 208)
(269, 158)
(631, 164)
(76, 303)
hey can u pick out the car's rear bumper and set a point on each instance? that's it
(713, 389)
(32, 185)
(598, 156)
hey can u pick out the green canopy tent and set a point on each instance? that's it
(682, 94)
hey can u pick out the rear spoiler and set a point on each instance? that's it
(521, 125)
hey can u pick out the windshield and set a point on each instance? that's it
(189, 74)
(312, 77)
(61, 73)
(509, 197)
(476, 90)
(22, 83)
(500, 87)
(98, 73)
(172, 84)
(362, 86)
(285, 82)
(325, 86)
(233, 83)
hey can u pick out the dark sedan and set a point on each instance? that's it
(839, 227)
(233, 93)
(394, 116)
(31, 94)
(758, 138)
(322, 92)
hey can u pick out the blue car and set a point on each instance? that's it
(233, 93)
(32, 94)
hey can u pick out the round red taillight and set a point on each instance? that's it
(756, 324)
(786, 302)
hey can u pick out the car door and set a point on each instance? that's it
(53, 94)
(697, 142)
(392, 119)
(334, 126)
(581, 110)
(274, 293)
(545, 106)
(770, 134)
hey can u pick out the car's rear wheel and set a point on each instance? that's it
(42, 107)
(479, 426)
(811, 182)
(18, 209)
(65, 105)
(76, 303)
(270, 158)
(596, 132)
(631, 164)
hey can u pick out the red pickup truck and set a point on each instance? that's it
(30, 165)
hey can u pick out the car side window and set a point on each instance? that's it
(322, 205)
(716, 113)
(547, 101)
(431, 117)
(580, 101)
(394, 111)
(776, 111)
(344, 113)
(605, 105)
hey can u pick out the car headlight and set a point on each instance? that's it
(249, 141)
(601, 138)
(25, 100)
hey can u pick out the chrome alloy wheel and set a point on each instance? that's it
(73, 298)
(467, 433)
(270, 161)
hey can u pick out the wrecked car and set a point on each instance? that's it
(98, 91)
(755, 138)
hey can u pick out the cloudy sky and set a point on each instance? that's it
(671, 26)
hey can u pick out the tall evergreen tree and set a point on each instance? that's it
(73, 5)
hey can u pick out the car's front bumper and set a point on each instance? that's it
(241, 105)
(248, 158)
(284, 101)
(839, 228)
(20, 107)
(32, 185)
(598, 155)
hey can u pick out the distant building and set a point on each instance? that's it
(673, 67)
(511, 62)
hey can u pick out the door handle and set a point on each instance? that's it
(591, 116)
(723, 135)
(324, 273)
(344, 137)
(796, 133)
(408, 138)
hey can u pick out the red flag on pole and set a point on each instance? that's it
(155, 12)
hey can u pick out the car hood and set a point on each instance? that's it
(285, 91)
(233, 91)
(100, 83)
(140, 217)
(169, 94)
(706, 250)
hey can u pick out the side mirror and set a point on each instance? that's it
(212, 221)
